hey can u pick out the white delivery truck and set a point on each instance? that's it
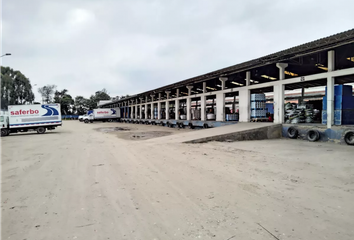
(22, 118)
(103, 114)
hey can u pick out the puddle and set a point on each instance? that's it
(113, 129)
(148, 135)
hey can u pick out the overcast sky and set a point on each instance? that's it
(130, 46)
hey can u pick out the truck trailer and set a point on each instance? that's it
(24, 118)
(103, 114)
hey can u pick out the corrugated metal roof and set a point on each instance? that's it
(322, 44)
(311, 47)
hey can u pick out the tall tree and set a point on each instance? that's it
(16, 88)
(47, 93)
(81, 105)
(102, 95)
(65, 100)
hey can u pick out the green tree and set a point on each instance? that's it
(102, 95)
(81, 105)
(94, 99)
(47, 93)
(65, 100)
(16, 88)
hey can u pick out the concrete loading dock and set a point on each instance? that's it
(325, 62)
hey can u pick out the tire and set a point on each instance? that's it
(41, 130)
(293, 133)
(190, 126)
(349, 138)
(313, 135)
(4, 132)
(110, 120)
(80, 120)
(86, 121)
(205, 125)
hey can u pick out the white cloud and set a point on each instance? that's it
(131, 46)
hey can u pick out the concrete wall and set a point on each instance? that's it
(268, 132)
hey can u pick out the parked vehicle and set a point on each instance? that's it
(24, 118)
(103, 114)
(81, 118)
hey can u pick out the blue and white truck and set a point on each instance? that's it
(103, 114)
(81, 118)
(24, 118)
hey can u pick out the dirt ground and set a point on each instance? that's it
(87, 181)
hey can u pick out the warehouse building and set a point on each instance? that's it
(240, 93)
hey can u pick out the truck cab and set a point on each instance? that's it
(4, 123)
(81, 118)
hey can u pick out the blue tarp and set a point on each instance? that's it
(69, 116)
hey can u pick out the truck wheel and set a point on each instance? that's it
(41, 130)
(4, 132)
(313, 135)
(110, 120)
(349, 138)
(292, 132)
(86, 121)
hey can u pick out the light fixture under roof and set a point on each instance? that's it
(211, 88)
(268, 77)
(253, 81)
(291, 74)
(236, 83)
(350, 59)
(321, 66)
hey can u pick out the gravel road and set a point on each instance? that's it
(82, 182)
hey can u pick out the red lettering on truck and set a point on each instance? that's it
(103, 112)
(24, 112)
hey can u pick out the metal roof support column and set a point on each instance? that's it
(146, 111)
(204, 87)
(330, 90)
(177, 93)
(136, 111)
(189, 99)
(279, 89)
(159, 110)
(248, 78)
(189, 90)
(202, 108)
(167, 108)
(223, 80)
(152, 107)
(244, 105)
(176, 109)
(141, 108)
(220, 106)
